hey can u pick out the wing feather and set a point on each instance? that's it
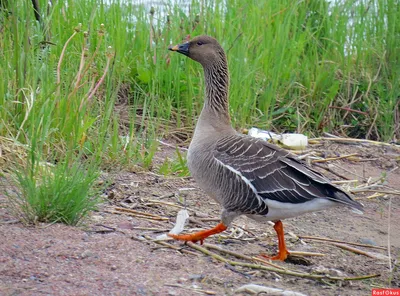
(274, 174)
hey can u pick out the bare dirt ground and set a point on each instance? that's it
(110, 254)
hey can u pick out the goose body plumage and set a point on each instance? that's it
(245, 175)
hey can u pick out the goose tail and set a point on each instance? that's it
(345, 199)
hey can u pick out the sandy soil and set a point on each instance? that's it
(110, 255)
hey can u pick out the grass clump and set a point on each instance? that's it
(177, 166)
(54, 193)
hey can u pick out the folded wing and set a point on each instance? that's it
(274, 174)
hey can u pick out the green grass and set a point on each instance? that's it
(295, 66)
(62, 193)
(177, 166)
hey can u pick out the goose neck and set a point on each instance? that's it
(216, 92)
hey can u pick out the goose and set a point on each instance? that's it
(246, 175)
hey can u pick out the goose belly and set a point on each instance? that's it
(280, 210)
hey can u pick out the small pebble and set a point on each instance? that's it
(336, 272)
(113, 267)
(182, 280)
(329, 271)
(320, 269)
(125, 225)
(196, 277)
(86, 254)
(141, 290)
(85, 237)
(97, 218)
(367, 241)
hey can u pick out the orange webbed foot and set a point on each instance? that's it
(281, 256)
(200, 235)
(283, 253)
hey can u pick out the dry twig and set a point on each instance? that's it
(348, 141)
(140, 214)
(170, 204)
(354, 250)
(273, 269)
(310, 254)
(324, 239)
(240, 256)
(356, 190)
(334, 158)
(148, 218)
(165, 244)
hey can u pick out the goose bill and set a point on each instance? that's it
(181, 48)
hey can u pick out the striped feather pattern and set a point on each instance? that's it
(218, 76)
(271, 173)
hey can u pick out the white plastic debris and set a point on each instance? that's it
(257, 289)
(261, 134)
(292, 141)
(181, 219)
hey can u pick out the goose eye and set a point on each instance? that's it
(199, 43)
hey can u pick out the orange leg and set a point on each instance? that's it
(199, 236)
(282, 252)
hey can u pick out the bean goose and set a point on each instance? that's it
(245, 175)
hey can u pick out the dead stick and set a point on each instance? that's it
(338, 241)
(165, 244)
(135, 212)
(144, 214)
(364, 159)
(210, 219)
(377, 191)
(375, 195)
(240, 256)
(285, 271)
(164, 203)
(261, 260)
(349, 140)
(207, 252)
(354, 250)
(151, 229)
(345, 181)
(310, 254)
(139, 216)
(334, 158)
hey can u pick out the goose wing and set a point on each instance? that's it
(274, 174)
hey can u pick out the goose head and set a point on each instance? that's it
(203, 49)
